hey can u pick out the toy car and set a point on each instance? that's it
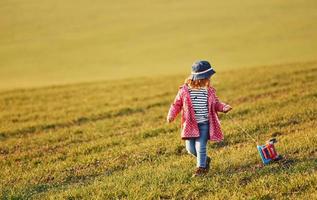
(268, 152)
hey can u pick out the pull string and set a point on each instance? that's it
(242, 129)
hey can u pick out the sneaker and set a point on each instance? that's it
(208, 163)
(200, 171)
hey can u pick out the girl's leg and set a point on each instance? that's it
(201, 145)
(190, 147)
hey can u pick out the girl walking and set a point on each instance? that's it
(199, 122)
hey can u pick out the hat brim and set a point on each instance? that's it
(202, 76)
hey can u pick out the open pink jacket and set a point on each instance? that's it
(189, 124)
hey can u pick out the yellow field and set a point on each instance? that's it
(53, 42)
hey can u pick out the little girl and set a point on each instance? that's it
(199, 105)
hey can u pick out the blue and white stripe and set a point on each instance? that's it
(199, 99)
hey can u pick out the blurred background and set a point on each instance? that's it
(60, 42)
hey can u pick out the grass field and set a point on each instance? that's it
(54, 42)
(84, 141)
(85, 87)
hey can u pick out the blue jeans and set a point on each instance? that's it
(198, 146)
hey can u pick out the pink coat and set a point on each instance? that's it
(189, 125)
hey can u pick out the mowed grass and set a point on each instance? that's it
(109, 140)
(53, 42)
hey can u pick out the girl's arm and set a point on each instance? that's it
(175, 108)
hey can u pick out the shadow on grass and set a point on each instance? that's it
(287, 164)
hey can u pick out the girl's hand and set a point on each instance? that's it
(169, 120)
(227, 108)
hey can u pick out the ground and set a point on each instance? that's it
(108, 140)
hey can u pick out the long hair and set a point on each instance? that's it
(197, 84)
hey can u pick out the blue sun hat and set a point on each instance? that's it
(201, 69)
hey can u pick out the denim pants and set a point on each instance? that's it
(198, 146)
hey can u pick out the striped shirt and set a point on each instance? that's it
(199, 100)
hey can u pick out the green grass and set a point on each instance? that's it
(58, 42)
(108, 140)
